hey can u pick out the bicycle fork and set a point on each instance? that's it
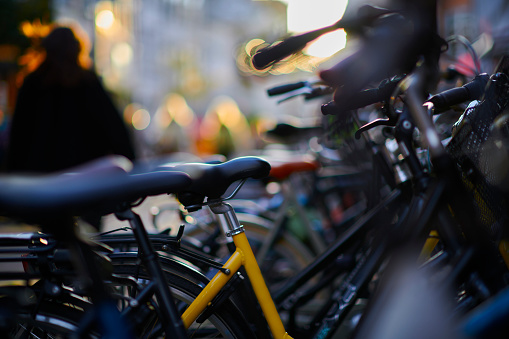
(243, 256)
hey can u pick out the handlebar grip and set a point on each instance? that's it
(286, 88)
(268, 55)
(358, 100)
(468, 92)
(293, 44)
(364, 98)
(329, 108)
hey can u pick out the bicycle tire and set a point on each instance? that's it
(185, 284)
(52, 320)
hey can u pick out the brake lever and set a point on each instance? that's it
(391, 121)
(301, 91)
(308, 92)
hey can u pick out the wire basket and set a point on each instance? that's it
(480, 146)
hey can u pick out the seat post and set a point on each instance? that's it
(228, 221)
(232, 229)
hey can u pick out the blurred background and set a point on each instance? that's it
(180, 70)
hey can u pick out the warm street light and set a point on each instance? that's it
(121, 54)
(104, 19)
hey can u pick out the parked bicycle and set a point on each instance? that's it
(431, 218)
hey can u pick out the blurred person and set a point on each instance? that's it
(63, 115)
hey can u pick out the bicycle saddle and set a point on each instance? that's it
(97, 186)
(212, 180)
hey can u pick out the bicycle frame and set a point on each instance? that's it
(243, 256)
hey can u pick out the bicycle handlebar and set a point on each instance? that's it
(286, 88)
(364, 98)
(267, 56)
(468, 92)
(287, 47)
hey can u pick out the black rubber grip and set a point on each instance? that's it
(468, 92)
(285, 48)
(364, 98)
(267, 56)
(286, 88)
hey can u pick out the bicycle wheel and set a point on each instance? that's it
(52, 320)
(185, 283)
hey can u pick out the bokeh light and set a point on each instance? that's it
(179, 110)
(224, 129)
(174, 109)
(121, 54)
(35, 29)
(104, 19)
(162, 118)
(129, 112)
(253, 45)
(141, 119)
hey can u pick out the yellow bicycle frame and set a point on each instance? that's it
(429, 246)
(243, 256)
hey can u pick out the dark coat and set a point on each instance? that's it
(56, 125)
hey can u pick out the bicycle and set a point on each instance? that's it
(281, 249)
(243, 255)
(63, 259)
(379, 226)
(415, 217)
(480, 316)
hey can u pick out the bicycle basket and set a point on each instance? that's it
(479, 151)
